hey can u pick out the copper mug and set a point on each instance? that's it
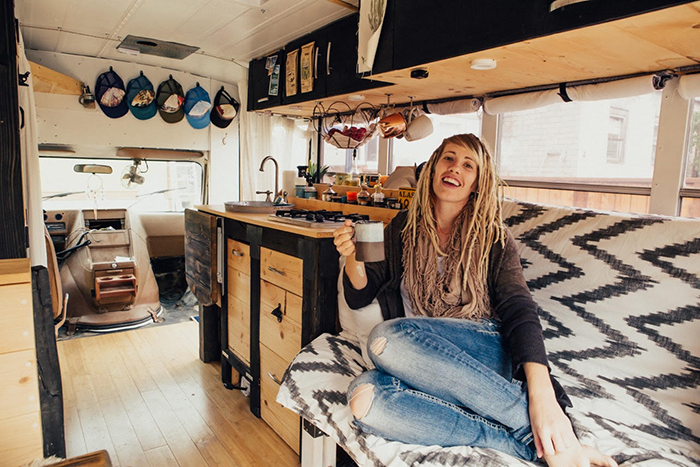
(392, 125)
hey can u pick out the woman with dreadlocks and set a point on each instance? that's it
(460, 357)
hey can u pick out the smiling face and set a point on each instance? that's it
(455, 175)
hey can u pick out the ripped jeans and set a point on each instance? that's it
(442, 381)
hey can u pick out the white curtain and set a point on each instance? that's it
(262, 135)
(30, 164)
(689, 86)
(589, 92)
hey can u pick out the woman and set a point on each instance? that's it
(453, 372)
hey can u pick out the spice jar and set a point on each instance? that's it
(352, 197)
(363, 196)
(328, 194)
(378, 196)
(393, 203)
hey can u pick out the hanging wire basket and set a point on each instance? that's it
(344, 127)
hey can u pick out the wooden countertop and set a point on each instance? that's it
(263, 221)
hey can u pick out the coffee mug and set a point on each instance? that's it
(392, 125)
(419, 128)
(369, 241)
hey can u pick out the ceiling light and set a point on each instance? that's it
(483, 64)
(128, 50)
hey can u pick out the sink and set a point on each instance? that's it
(255, 207)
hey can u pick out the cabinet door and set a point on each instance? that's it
(200, 256)
(311, 71)
(341, 76)
(262, 93)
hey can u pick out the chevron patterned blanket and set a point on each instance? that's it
(619, 299)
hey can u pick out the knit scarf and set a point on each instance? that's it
(457, 292)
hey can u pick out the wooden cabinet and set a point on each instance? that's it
(238, 292)
(277, 299)
(280, 336)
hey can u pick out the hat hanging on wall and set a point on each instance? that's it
(141, 98)
(170, 100)
(197, 107)
(225, 109)
(109, 90)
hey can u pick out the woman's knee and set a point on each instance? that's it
(380, 336)
(361, 394)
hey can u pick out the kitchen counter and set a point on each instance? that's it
(263, 221)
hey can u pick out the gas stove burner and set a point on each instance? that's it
(320, 219)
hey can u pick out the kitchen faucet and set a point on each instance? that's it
(277, 171)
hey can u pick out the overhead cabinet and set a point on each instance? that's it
(265, 81)
(318, 65)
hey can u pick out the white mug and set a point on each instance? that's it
(419, 128)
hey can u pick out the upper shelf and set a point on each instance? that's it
(660, 40)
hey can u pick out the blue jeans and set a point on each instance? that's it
(447, 382)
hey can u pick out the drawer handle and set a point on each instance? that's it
(272, 377)
(237, 253)
(276, 271)
(277, 312)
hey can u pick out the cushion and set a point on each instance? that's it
(357, 324)
(619, 299)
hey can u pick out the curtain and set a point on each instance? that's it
(285, 139)
(30, 163)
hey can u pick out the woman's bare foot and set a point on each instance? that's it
(580, 456)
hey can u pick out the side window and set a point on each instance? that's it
(617, 129)
(690, 195)
(598, 154)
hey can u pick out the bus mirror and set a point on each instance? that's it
(92, 168)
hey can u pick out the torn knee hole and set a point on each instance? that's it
(361, 400)
(378, 345)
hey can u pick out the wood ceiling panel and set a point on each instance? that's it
(162, 19)
(96, 18)
(46, 14)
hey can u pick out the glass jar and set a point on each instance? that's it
(363, 196)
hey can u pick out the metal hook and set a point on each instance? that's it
(23, 77)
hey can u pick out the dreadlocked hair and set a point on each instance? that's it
(476, 229)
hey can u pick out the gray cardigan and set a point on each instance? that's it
(513, 306)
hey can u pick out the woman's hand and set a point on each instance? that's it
(344, 239)
(551, 428)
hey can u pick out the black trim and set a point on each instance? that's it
(48, 367)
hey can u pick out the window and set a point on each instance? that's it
(617, 129)
(340, 160)
(690, 201)
(406, 153)
(604, 145)
(167, 185)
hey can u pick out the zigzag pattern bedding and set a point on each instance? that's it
(619, 299)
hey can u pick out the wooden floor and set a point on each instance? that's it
(146, 398)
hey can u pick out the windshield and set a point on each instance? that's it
(164, 185)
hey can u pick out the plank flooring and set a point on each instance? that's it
(146, 398)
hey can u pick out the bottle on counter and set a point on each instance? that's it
(378, 195)
(310, 191)
(363, 198)
(328, 194)
(351, 197)
(299, 186)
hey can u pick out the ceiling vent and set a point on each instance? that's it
(136, 45)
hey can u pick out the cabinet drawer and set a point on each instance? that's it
(285, 422)
(271, 296)
(282, 336)
(282, 270)
(238, 285)
(239, 328)
(238, 256)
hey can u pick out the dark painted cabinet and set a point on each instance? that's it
(341, 69)
(311, 75)
(265, 87)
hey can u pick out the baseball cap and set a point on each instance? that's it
(197, 107)
(225, 109)
(109, 90)
(140, 97)
(170, 100)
